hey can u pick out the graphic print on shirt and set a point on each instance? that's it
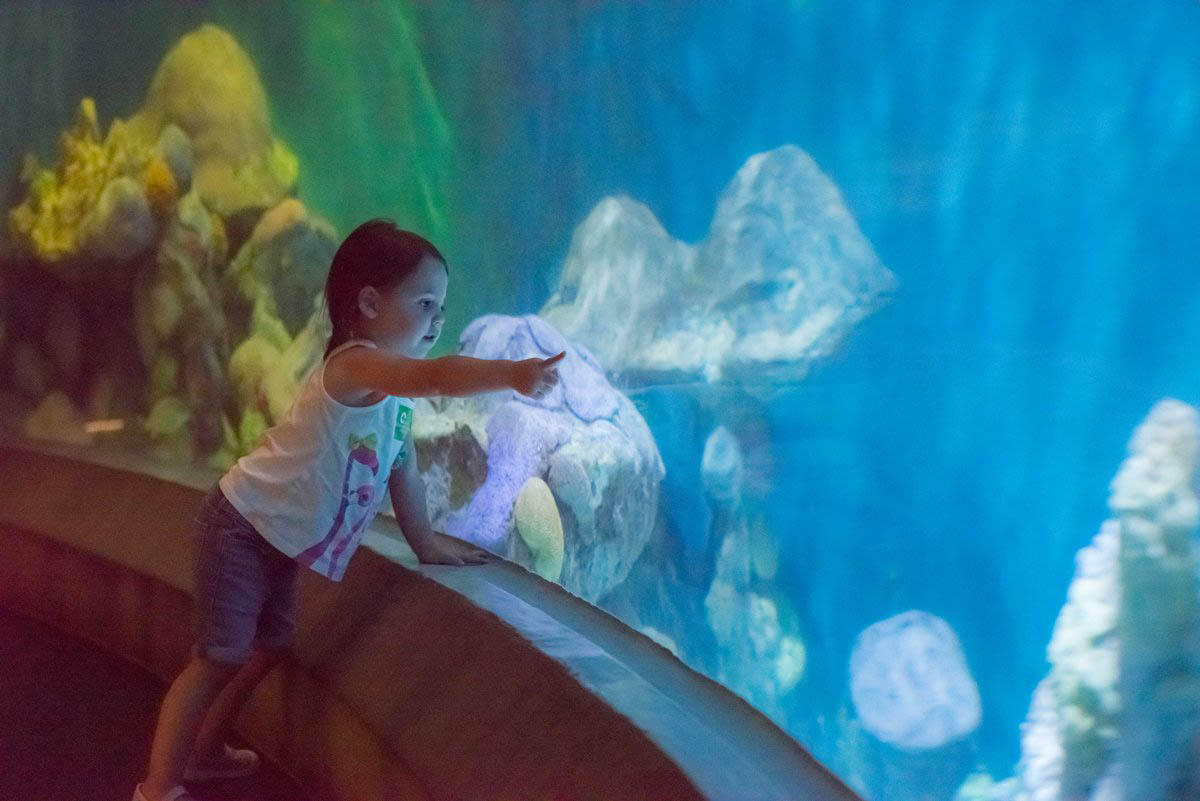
(357, 504)
(403, 425)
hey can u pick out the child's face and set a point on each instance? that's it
(408, 317)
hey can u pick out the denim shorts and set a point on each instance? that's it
(245, 588)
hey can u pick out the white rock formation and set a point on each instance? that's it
(1119, 714)
(585, 439)
(782, 276)
(910, 683)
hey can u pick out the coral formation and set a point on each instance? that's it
(178, 317)
(1119, 713)
(52, 223)
(156, 196)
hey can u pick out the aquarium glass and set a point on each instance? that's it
(879, 402)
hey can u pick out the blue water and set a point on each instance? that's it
(1028, 170)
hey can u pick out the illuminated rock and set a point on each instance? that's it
(585, 439)
(910, 683)
(781, 278)
(540, 528)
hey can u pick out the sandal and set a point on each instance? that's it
(176, 793)
(236, 763)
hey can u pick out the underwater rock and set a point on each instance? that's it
(102, 396)
(910, 683)
(256, 383)
(1070, 733)
(914, 695)
(56, 419)
(265, 371)
(781, 278)
(540, 527)
(282, 265)
(1119, 713)
(758, 658)
(726, 604)
(721, 467)
(177, 315)
(584, 438)
(764, 550)
(204, 122)
(1158, 620)
(174, 147)
(168, 426)
(121, 225)
(208, 87)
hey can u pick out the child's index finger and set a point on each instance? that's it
(554, 359)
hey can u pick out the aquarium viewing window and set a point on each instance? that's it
(877, 406)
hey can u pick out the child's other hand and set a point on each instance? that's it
(442, 549)
(536, 377)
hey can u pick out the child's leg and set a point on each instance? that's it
(214, 732)
(179, 720)
(276, 625)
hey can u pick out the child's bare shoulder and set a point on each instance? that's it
(341, 378)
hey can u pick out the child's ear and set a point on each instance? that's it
(368, 302)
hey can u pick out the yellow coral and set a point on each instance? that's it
(47, 222)
(161, 188)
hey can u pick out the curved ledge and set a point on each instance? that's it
(402, 683)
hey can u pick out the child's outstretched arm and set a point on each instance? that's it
(375, 370)
(408, 500)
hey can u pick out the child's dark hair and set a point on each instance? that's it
(377, 254)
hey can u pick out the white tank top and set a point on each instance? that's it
(314, 483)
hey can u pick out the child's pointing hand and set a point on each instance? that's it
(536, 377)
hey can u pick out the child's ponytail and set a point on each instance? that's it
(377, 254)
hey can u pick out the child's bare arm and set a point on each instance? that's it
(373, 370)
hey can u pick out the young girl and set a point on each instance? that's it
(305, 495)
